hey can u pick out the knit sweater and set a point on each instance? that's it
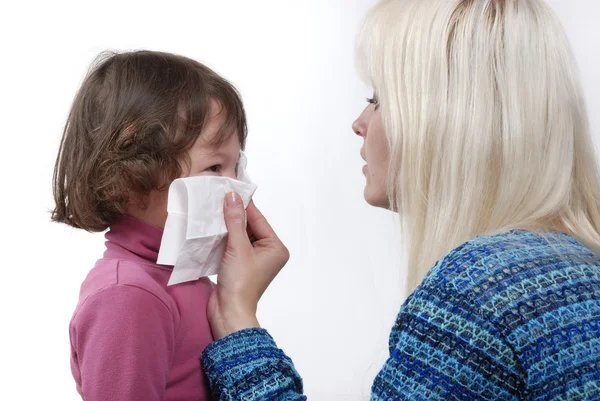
(514, 316)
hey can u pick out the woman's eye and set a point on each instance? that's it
(374, 100)
(215, 168)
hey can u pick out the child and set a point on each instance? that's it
(140, 120)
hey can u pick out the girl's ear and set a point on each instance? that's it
(140, 202)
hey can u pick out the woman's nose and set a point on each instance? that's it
(358, 127)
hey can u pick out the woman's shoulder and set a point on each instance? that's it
(494, 271)
(497, 257)
(508, 307)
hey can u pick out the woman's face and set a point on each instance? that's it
(369, 126)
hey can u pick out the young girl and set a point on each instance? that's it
(140, 120)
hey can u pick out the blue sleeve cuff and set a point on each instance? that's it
(237, 348)
(246, 363)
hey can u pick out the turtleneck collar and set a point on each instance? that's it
(133, 239)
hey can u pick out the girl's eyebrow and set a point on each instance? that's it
(218, 153)
(226, 155)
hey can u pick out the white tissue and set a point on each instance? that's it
(193, 241)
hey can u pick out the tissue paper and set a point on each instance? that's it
(194, 237)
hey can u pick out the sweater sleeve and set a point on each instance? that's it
(441, 348)
(247, 365)
(123, 339)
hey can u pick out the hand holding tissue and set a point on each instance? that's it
(194, 238)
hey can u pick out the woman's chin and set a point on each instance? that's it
(376, 199)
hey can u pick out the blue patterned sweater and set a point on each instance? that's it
(514, 316)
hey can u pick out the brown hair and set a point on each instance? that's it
(130, 126)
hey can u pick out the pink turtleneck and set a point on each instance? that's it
(132, 337)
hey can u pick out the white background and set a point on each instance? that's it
(332, 307)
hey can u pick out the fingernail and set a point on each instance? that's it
(232, 199)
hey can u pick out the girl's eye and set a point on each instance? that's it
(215, 168)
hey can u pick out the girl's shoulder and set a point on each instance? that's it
(127, 282)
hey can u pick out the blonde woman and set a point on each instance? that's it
(477, 136)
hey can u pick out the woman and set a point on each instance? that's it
(477, 136)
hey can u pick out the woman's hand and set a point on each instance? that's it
(247, 268)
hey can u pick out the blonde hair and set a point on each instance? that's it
(485, 120)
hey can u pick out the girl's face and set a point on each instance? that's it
(204, 159)
(207, 159)
(369, 126)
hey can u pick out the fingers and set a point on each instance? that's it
(235, 219)
(258, 224)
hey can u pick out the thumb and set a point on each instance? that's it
(235, 219)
